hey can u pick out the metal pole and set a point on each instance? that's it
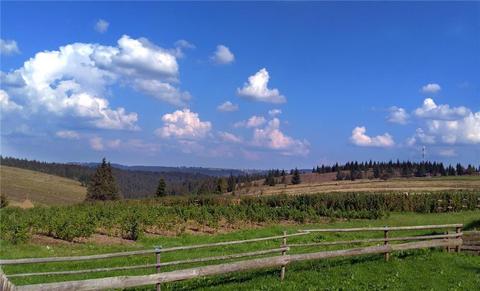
(157, 255)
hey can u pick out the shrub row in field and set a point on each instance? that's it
(130, 218)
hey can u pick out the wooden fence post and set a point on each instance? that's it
(385, 242)
(284, 252)
(458, 230)
(446, 248)
(157, 255)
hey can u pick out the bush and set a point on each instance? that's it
(13, 228)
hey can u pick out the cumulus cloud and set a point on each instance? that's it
(273, 138)
(183, 124)
(102, 26)
(67, 134)
(430, 110)
(7, 105)
(274, 112)
(360, 138)
(223, 55)
(431, 88)
(227, 107)
(229, 137)
(445, 124)
(96, 143)
(74, 80)
(256, 89)
(8, 47)
(398, 115)
(447, 152)
(253, 121)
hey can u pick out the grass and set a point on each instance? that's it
(425, 269)
(315, 183)
(42, 189)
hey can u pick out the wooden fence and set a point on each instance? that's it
(446, 240)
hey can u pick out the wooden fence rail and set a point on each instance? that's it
(270, 262)
(446, 240)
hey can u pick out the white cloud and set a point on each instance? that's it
(273, 138)
(274, 112)
(445, 124)
(447, 152)
(430, 110)
(431, 88)
(74, 80)
(360, 138)
(229, 137)
(67, 134)
(96, 143)
(227, 107)
(256, 89)
(8, 47)
(422, 137)
(398, 115)
(252, 122)
(183, 124)
(102, 26)
(7, 105)
(223, 55)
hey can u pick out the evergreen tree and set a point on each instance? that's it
(296, 177)
(221, 185)
(161, 188)
(232, 183)
(340, 175)
(102, 185)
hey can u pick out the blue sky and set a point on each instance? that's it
(308, 83)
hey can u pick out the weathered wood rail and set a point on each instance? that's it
(447, 241)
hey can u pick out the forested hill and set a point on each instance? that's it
(214, 172)
(132, 183)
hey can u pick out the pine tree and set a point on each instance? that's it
(296, 177)
(231, 183)
(161, 188)
(102, 185)
(221, 185)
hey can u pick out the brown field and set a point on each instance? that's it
(322, 183)
(23, 187)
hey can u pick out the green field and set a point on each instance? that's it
(39, 188)
(413, 270)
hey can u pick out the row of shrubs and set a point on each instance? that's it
(130, 218)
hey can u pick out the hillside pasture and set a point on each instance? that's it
(325, 183)
(21, 186)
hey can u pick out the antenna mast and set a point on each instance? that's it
(423, 153)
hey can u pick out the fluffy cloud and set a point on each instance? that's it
(183, 124)
(229, 137)
(256, 89)
(99, 144)
(102, 26)
(227, 107)
(273, 138)
(7, 105)
(223, 55)
(447, 152)
(431, 88)
(8, 47)
(274, 112)
(67, 134)
(445, 124)
(430, 110)
(252, 122)
(96, 143)
(397, 115)
(73, 80)
(360, 138)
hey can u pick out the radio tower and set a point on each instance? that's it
(423, 153)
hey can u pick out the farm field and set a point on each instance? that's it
(325, 183)
(438, 269)
(20, 185)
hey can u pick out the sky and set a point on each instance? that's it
(240, 85)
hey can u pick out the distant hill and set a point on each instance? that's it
(214, 172)
(41, 189)
(133, 183)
